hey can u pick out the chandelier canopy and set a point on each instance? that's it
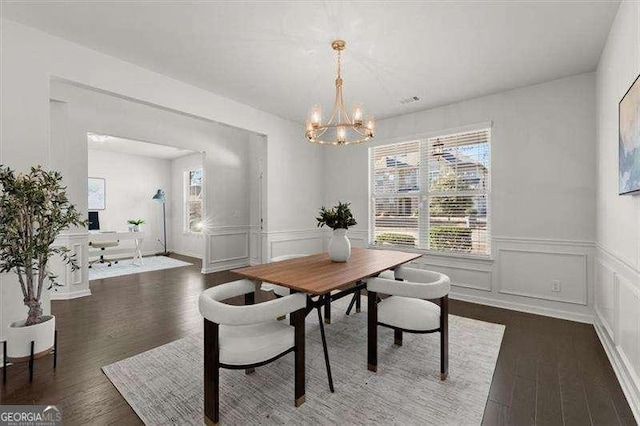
(340, 129)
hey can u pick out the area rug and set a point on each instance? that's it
(165, 385)
(99, 271)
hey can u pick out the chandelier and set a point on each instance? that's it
(340, 129)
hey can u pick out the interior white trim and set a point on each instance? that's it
(583, 301)
(618, 273)
(628, 380)
(522, 307)
(70, 295)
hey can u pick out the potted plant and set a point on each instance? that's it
(135, 224)
(338, 218)
(34, 209)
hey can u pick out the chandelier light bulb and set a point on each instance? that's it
(342, 134)
(316, 116)
(371, 124)
(357, 114)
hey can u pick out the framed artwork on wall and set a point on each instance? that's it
(629, 140)
(97, 193)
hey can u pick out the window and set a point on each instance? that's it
(433, 193)
(193, 201)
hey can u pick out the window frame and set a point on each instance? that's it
(424, 193)
(186, 187)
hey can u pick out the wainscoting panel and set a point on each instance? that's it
(305, 241)
(617, 307)
(74, 283)
(462, 274)
(605, 295)
(629, 325)
(227, 248)
(256, 245)
(529, 273)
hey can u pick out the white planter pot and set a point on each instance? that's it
(19, 338)
(339, 246)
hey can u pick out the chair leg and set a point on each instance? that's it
(444, 338)
(397, 337)
(31, 361)
(249, 299)
(326, 350)
(372, 331)
(283, 317)
(327, 310)
(358, 296)
(211, 374)
(299, 380)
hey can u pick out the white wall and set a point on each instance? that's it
(131, 181)
(31, 58)
(617, 284)
(226, 162)
(542, 193)
(182, 242)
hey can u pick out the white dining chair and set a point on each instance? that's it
(409, 310)
(246, 337)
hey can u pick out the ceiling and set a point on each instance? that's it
(132, 147)
(276, 56)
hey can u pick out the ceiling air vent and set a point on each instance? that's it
(410, 100)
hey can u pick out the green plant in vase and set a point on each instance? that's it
(339, 218)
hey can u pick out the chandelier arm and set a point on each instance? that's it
(321, 132)
(360, 132)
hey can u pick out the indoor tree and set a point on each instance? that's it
(34, 209)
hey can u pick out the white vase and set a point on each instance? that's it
(19, 338)
(339, 246)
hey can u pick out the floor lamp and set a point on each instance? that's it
(160, 198)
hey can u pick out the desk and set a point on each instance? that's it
(137, 237)
(317, 275)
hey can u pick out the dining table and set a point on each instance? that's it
(325, 281)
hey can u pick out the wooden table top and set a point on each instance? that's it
(317, 274)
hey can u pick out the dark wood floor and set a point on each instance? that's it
(549, 372)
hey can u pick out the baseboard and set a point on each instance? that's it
(226, 266)
(625, 378)
(520, 307)
(184, 253)
(72, 295)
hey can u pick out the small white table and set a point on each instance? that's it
(137, 237)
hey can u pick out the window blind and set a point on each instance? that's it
(433, 194)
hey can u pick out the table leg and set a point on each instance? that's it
(324, 342)
(372, 331)
(137, 254)
(327, 310)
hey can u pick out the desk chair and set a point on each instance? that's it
(103, 245)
